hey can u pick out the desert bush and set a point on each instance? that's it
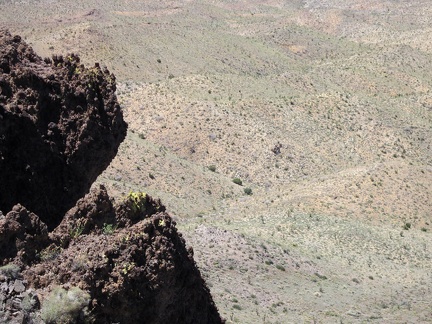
(108, 229)
(30, 302)
(280, 267)
(76, 231)
(237, 181)
(64, 306)
(10, 270)
(137, 201)
(212, 168)
(50, 253)
(237, 306)
(247, 191)
(407, 226)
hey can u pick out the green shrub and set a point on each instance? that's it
(50, 253)
(30, 302)
(280, 267)
(407, 226)
(10, 270)
(108, 229)
(137, 201)
(237, 306)
(212, 168)
(64, 306)
(237, 181)
(247, 191)
(76, 231)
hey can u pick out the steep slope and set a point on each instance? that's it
(210, 88)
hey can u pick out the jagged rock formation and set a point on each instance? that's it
(100, 261)
(21, 234)
(60, 127)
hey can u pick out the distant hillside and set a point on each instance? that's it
(209, 89)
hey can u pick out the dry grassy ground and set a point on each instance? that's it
(338, 226)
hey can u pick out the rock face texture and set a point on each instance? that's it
(67, 259)
(60, 127)
(131, 260)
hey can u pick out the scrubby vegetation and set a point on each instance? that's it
(64, 306)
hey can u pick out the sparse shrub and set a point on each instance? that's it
(424, 229)
(407, 226)
(50, 253)
(141, 135)
(247, 191)
(280, 267)
(30, 302)
(237, 181)
(108, 229)
(10, 270)
(212, 168)
(79, 263)
(127, 267)
(323, 277)
(137, 201)
(64, 306)
(237, 306)
(76, 231)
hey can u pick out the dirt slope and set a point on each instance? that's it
(209, 89)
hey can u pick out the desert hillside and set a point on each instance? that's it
(323, 111)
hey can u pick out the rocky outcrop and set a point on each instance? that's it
(66, 257)
(22, 234)
(133, 270)
(60, 127)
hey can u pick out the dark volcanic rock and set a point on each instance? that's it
(60, 127)
(22, 234)
(136, 271)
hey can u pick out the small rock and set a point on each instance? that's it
(39, 270)
(4, 286)
(19, 286)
